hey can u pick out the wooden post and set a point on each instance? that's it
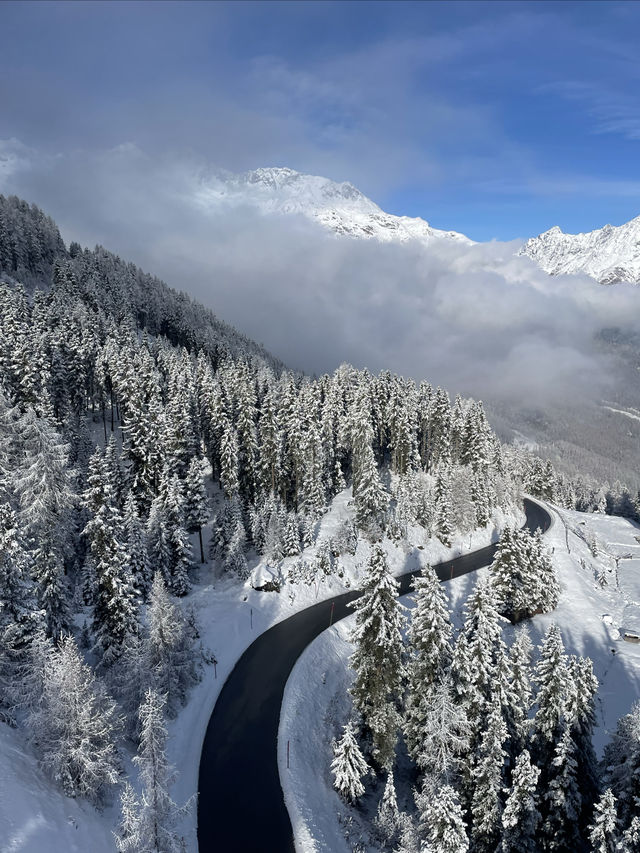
(333, 604)
(252, 617)
(287, 755)
(215, 668)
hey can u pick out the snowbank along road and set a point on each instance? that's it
(240, 807)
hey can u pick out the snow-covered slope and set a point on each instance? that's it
(610, 254)
(339, 207)
(597, 596)
(35, 816)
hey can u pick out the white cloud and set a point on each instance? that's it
(14, 158)
(476, 319)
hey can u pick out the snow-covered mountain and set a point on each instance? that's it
(610, 254)
(339, 207)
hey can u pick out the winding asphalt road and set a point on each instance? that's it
(241, 807)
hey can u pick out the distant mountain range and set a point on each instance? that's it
(610, 254)
(601, 438)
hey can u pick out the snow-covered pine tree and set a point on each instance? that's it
(387, 820)
(150, 824)
(348, 766)
(523, 575)
(508, 575)
(291, 542)
(128, 836)
(603, 832)
(235, 560)
(552, 678)
(312, 490)
(114, 472)
(486, 650)
(430, 652)
(370, 499)
(181, 432)
(423, 410)
(136, 547)
(128, 682)
(442, 826)
(460, 672)
(458, 420)
(439, 429)
(41, 480)
(489, 777)
(52, 588)
(308, 531)
(229, 476)
(196, 501)
(622, 763)
(442, 499)
(516, 712)
(581, 717)
(157, 536)
(270, 444)
(444, 738)
(245, 422)
(377, 659)
(115, 604)
(169, 654)
(544, 581)
(228, 525)
(463, 510)
(177, 538)
(73, 726)
(274, 524)
(561, 802)
(630, 842)
(483, 498)
(401, 416)
(24, 688)
(520, 818)
(115, 607)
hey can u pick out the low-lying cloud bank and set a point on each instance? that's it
(478, 319)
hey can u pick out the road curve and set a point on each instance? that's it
(240, 806)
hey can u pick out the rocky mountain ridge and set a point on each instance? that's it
(610, 254)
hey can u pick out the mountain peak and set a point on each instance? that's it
(609, 254)
(338, 206)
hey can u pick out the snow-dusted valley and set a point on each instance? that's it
(170, 493)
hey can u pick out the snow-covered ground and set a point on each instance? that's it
(230, 616)
(591, 613)
(35, 816)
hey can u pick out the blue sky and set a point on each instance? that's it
(495, 119)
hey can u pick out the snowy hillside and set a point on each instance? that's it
(593, 614)
(35, 815)
(340, 207)
(609, 254)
